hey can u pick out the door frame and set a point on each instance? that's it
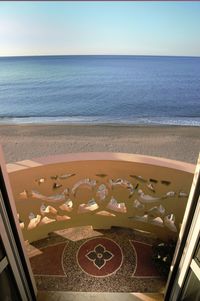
(12, 239)
(187, 241)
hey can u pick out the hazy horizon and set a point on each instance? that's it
(147, 55)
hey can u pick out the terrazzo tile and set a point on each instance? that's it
(112, 273)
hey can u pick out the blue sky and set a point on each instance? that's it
(142, 28)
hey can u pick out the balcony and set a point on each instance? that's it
(89, 219)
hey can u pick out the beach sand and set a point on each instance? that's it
(22, 142)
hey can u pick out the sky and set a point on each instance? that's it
(119, 28)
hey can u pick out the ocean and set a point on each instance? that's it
(145, 90)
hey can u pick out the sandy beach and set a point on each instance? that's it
(21, 142)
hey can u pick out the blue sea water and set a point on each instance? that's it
(100, 89)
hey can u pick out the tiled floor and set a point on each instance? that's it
(115, 260)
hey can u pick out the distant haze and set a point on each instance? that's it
(144, 28)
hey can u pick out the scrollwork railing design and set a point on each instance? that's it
(49, 198)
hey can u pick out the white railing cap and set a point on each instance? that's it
(104, 156)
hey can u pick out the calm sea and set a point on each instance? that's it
(100, 89)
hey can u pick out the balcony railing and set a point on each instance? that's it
(100, 189)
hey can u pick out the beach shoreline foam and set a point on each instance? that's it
(101, 120)
(27, 141)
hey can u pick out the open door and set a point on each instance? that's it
(16, 279)
(184, 278)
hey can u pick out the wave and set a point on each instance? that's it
(98, 120)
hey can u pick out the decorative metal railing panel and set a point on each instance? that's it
(102, 194)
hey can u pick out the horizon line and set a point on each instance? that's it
(51, 55)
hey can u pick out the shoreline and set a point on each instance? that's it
(98, 123)
(27, 141)
(93, 124)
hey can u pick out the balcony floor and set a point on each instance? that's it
(84, 260)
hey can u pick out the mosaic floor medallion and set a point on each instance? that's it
(99, 257)
(117, 261)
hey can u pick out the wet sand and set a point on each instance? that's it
(22, 142)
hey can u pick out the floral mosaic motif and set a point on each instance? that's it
(99, 256)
